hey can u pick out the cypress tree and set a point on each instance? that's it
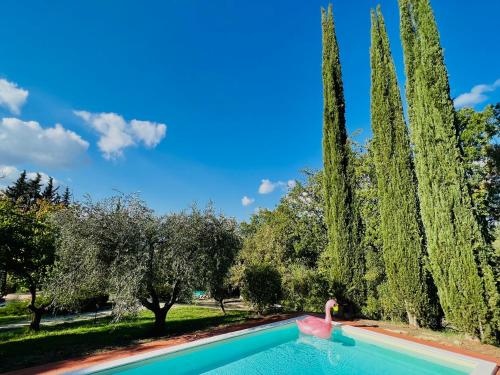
(402, 244)
(458, 253)
(342, 262)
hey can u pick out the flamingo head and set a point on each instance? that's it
(332, 303)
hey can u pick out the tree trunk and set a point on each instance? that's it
(160, 317)
(36, 316)
(3, 282)
(412, 320)
(221, 304)
(36, 312)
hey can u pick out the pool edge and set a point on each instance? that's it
(479, 366)
(176, 348)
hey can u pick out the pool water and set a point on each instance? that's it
(284, 350)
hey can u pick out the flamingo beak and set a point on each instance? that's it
(336, 308)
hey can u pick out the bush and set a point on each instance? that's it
(304, 289)
(296, 287)
(15, 308)
(261, 286)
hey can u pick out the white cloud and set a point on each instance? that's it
(476, 95)
(27, 142)
(11, 96)
(150, 133)
(246, 201)
(116, 134)
(9, 174)
(267, 186)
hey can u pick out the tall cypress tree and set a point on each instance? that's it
(458, 253)
(342, 262)
(402, 244)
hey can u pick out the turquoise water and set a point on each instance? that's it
(284, 350)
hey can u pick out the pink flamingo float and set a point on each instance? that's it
(318, 327)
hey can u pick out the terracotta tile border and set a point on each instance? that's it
(79, 363)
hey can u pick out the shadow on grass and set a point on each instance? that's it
(19, 348)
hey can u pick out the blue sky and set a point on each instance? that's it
(208, 98)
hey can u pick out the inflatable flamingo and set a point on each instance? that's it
(318, 327)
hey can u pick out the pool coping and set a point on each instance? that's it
(71, 365)
(479, 366)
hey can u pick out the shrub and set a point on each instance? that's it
(15, 308)
(261, 286)
(296, 287)
(304, 289)
(11, 284)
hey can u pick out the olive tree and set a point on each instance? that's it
(220, 243)
(120, 247)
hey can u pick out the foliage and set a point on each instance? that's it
(374, 277)
(290, 238)
(342, 261)
(20, 348)
(27, 247)
(221, 243)
(27, 193)
(458, 253)
(303, 289)
(124, 250)
(400, 227)
(261, 286)
(15, 308)
(478, 133)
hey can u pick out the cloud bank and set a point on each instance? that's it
(28, 142)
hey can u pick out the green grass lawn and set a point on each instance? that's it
(8, 319)
(21, 348)
(14, 312)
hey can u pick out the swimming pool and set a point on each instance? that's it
(279, 348)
